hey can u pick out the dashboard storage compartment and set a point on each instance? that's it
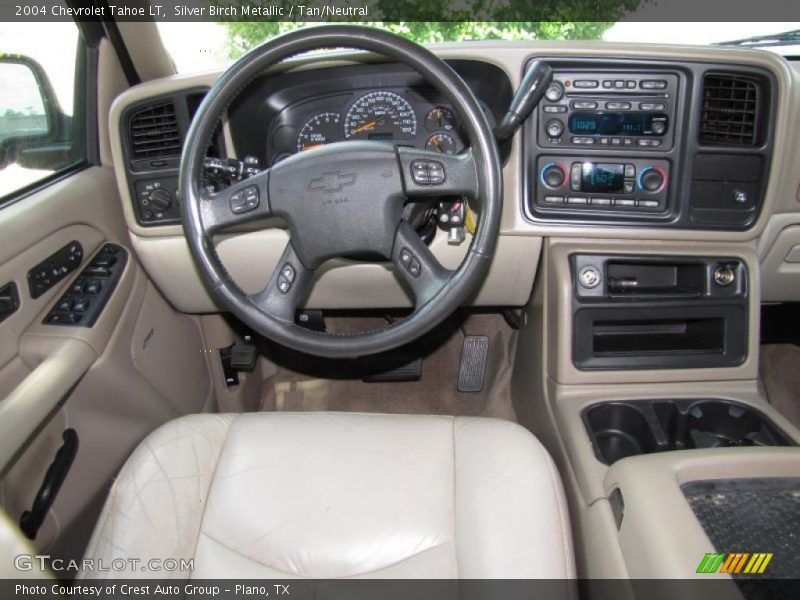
(628, 428)
(658, 312)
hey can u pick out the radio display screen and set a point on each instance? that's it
(602, 177)
(614, 123)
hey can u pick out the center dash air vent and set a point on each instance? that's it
(730, 110)
(154, 132)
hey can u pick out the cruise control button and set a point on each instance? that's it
(410, 262)
(244, 200)
(288, 272)
(284, 285)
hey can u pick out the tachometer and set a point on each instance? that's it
(319, 130)
(380, 116)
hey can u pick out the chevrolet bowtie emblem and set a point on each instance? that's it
(332, 182)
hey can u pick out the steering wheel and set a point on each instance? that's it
(344, 199)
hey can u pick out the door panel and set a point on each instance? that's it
(104, 381)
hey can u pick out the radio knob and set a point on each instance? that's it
(553, 176)
(554, 91)
(651, 179)
(554, 128)
(658, 127)
(160, 200)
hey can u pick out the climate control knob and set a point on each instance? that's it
(160, 200)
(554, 128)
(651, 179)
(553, 176)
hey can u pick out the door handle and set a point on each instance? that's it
(9, 300)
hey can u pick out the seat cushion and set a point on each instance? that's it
(324, 495)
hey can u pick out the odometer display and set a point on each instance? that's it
(380, 115)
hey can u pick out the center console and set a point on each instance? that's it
(649, 143)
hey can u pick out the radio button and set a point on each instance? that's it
(658, 128)
(652, 106)
(601, 201)
(554, 128)
(577, 200)
(653, 84)
(619, 84)
(584, 105)
(624, 202)
(554, 199)
(630, 84)
(585, 83)
(603, 141)
(616, 141)
(586, 141)
(618, 105)
(630, 171)
(554, 91)
(555, 108)
(627, 141)
(608, 84)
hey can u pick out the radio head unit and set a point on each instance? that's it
(623, 109)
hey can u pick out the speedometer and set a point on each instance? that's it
(380, 116)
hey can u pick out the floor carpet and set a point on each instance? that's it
(299, 382)
(779, 365)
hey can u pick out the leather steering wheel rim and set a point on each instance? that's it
(476, 173)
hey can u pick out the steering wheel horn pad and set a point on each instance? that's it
(342, 200)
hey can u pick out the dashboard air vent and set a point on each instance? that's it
(154, 132)
(730, 110)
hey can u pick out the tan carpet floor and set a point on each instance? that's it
(302, 383)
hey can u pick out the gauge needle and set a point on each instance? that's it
(436, 142)
(368, 125)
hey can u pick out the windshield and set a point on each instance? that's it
(202, 46)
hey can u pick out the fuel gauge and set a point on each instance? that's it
(440, 118)
(442, 143)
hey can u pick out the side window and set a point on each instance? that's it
(41, 107)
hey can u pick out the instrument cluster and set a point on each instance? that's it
(404, 116)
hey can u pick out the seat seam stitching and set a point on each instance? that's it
(211, 484)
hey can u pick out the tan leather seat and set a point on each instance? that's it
(323, 495)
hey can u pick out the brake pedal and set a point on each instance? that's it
(391, 368)
(473, 363)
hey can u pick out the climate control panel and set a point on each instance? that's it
(564, 183)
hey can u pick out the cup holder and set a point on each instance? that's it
(621, 429)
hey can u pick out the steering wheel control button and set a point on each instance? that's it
(284, 285)
(427, 172)
(589, 277)
(287, 272)
(245, 200)
(410, 262)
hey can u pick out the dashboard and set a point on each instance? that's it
(648, 144)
